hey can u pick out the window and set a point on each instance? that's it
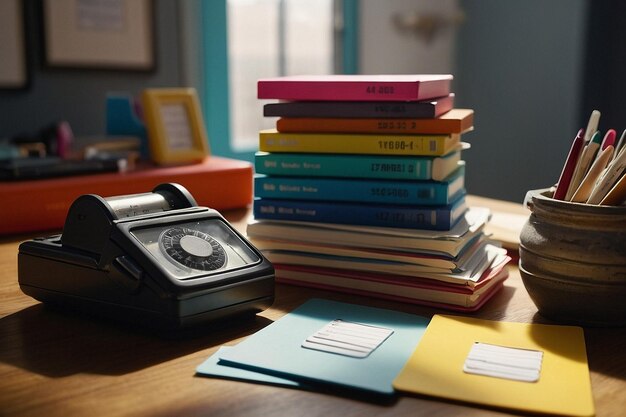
(265, 38)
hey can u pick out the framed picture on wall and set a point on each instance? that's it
(13, 67)
(175, 126)
(99, 34)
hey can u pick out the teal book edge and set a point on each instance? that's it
(426, 192)
(357, 166)
(277, 349)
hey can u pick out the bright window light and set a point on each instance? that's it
(268, 38)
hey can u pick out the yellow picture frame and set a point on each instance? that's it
(175, 126)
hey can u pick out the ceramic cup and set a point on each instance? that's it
(573, 260)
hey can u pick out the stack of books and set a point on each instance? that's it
(360, 188)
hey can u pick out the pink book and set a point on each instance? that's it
(355, 87)
(404, 289)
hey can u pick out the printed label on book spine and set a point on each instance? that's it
(380, 89)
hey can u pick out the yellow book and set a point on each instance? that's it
(437, 366)
(376, 144)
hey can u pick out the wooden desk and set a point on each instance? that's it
(54, 364)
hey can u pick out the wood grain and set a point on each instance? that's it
(60, 364)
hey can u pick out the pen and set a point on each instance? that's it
(587, 156)
(620, 143)
(610, 177)
(592, 125)
(609, 139)
(578, 174)
(570, 164)
(586, 186)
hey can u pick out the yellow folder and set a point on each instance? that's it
(436, 366)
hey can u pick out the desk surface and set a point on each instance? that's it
(57, 364)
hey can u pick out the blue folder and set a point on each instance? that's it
(276, 350)
(213, 367)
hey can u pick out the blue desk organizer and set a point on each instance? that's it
(122, 119)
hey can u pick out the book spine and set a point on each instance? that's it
(429, 193)
(355, 166)
(417, 145)
(384, 126)
(366, 109)
(425, 218)
(381, 295)
(353, 90)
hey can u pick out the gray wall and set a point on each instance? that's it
(78, 96)
(520, 67)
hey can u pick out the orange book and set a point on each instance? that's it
(454, 121)
(34, 205)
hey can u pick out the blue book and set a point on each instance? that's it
(286, 348)
(358, 166)
(427, 193)
(384, 215)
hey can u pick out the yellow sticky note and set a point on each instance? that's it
(436, 366)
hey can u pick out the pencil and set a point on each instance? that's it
(586, 186)
(570, 164)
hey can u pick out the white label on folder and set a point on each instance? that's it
(346, 338)
(504, 362)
